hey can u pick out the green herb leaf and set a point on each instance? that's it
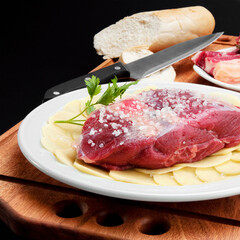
(88, 103)
(90, 109)
(93, 86)
(75, 122)
(114, 91)
(122, 89)
(109, 96)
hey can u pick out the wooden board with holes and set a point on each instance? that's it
(36, 206)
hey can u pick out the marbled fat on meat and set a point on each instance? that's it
(207, 60)
(157, 129)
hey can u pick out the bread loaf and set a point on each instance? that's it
(156, 29)
(167, 74)
(134, 53)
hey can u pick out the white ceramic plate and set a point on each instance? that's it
(29, 136)
(203, 74)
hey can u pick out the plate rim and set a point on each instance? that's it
(112, 188)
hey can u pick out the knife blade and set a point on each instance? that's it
(139, 68)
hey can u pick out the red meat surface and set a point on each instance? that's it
(207, 60)
(157, 129)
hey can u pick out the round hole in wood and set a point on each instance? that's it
(70, 208)
(109, 219)
(154, 226)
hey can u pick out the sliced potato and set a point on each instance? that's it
(52, 129)
(75, 136)
(66, 156)
(232, 99)
(57, 135)
(61, 115)
(65, 115)
(209, 174)
(225, 151)
(73, 107)
(237, 148)
(145, 89)
(132, 176)
(229, 168)
(165, 179)
(235, 156)
(186, 176)
(82, 106)
(207, 162)
(49, 145)
(90, 169)
(158, 171)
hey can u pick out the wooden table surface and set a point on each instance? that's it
(36, 206)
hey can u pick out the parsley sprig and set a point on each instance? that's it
(109, 96)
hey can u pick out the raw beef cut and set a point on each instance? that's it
(223, 66)
(200, 57)
(157, 129)
(207, 60)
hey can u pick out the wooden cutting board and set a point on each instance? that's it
(36, 206)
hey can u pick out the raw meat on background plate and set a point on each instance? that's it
(222, 65)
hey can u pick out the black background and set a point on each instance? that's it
(47, 42)
(44, 43)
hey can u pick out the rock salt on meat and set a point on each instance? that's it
(157, 129)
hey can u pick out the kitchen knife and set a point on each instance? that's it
(139, 68)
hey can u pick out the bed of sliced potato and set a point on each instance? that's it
(59, 137)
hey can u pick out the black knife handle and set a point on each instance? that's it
(104, 74)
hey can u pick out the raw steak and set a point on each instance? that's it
(207, 60)
(157, 129)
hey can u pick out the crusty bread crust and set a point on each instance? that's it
(156, 29)
(193, 22)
